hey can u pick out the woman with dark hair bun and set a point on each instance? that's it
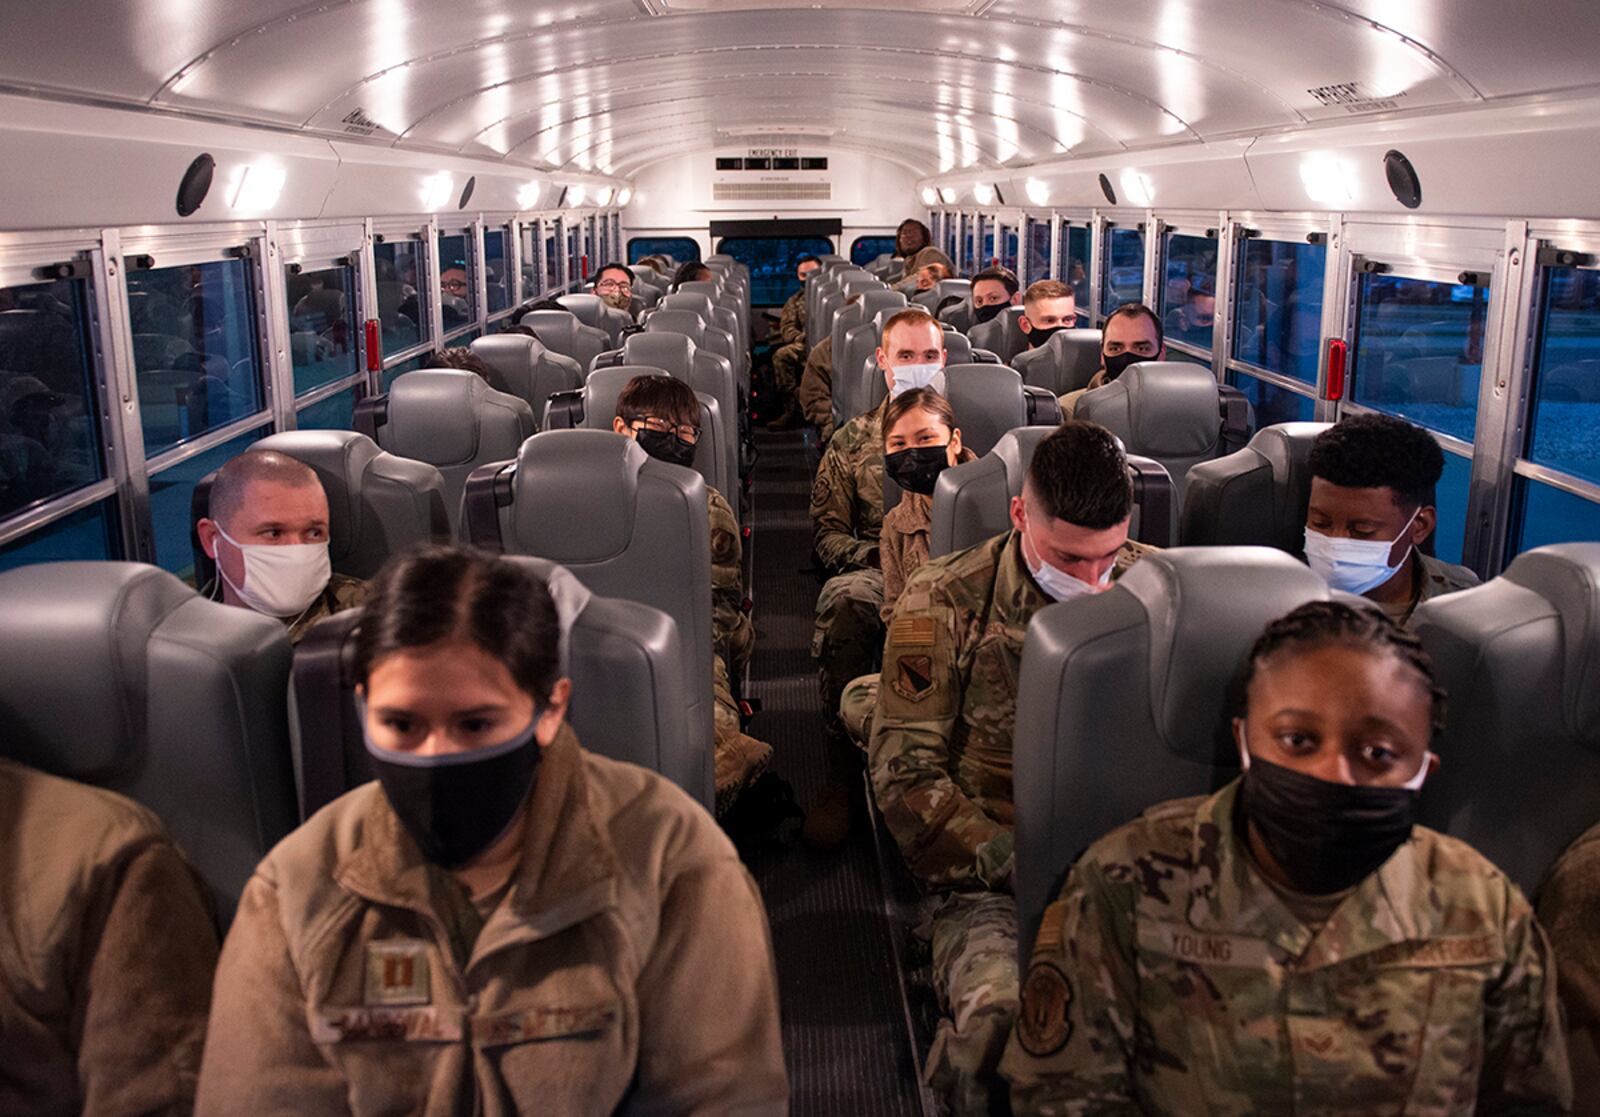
(503, 923)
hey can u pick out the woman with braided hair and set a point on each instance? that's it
(1293, 943)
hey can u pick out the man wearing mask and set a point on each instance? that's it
(847, 515)
(614, 285)
(940, 749)
(267, 531)
(1132, 334)
(992, 291)
(1048, 307)
(789, 358)
(1372, 508)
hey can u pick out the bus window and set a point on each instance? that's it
(1451, 500)
(681, 249)
(1545, 514)
(1124, 269)
(494, 263)
(986, 230)
(457, 303)
(1273, 403)
(402, 302)
(1419, 350)
(575, 261)
(49, 431)
(196, 362)
(170, 493)
(864, 250)
(85, 535)
(1189, 290)
(1278, 314)
(552, 259)
(1074, 265)
(1564, 424)
(952, 237)
(1009, 246)
(771, 261)
(322, 327)
(1037, 238)
(333, 413)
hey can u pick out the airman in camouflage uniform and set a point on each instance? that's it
(816, 389)
(738, 759)
(940, 756)
(1168, 978)
(1430, 578)
(789, 358)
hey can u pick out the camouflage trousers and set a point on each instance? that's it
(737, 759)
(788, 362)
(856, 708)
(975, 975)
(848, 639)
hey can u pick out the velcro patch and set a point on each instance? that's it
(424, 1023)
(397, 972)
(912, 632)
(1456, 950)
(913, 677)
(1043, 1026)
(542, 1023)
(1184, 943)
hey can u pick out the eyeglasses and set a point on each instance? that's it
(453, 284)
(685, 433)
(609, 285)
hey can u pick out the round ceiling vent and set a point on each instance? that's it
(466, 192)
(1105, 188)
(195, 184)
(1403, 179)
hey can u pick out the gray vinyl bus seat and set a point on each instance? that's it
(1519, 658)
(594, 406)
(1172, 411)
(1001, 335)
(721, 297)
(711, 339)
(528, 369)
(972, 501)
(1256, 496)
(707, 373)
(561, 331)
(719, 315)
(832, 298)
(117, 674)
(828, 283)
(934, 297)
(450, 419)
(990, 400)
(589, 309)
(1065, 363)
(625, 524)
(378, 503)
(863, 312)
(627, 704)
(1123, 700)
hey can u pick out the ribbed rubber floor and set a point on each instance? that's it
(844, 1026)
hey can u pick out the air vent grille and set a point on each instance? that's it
(726, 138)
(771, 191)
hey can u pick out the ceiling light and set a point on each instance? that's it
(948, 195)
(1136, 189)
(257, 188)
(625, 195)
(438, 191)
(1328, 181)
(602, 196)
(1038, 191)
(576, 194)
(528, 195)
(983, 193)
(930, 196)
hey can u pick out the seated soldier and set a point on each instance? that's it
(816, 385)
(692, 272)
(663, 416)
(847, 514)
(940, 750)
(502, 922)
(614, 285)
(1048, 307)
(267, 531)
(1371, 508)
(1569, 907)
(1132, 333)
(107, 950)
(460, 357)
(1293, 943)
(789, 357)
(920, 441)
(924, 271)
(994, 289)
(911, 238)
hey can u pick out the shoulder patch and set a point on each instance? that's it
(913, 677)
(912, 631)
(1042, 1024)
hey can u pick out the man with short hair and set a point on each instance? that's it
(267, 531)
(940, 751)
(993, 290)
(1048, 307)
(1132, 334)
(1372, 508)
(847, 512)
(789, 358)
(614, 285)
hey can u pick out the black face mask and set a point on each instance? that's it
(1040, 335)
(667, 447)
(1326, 837)
(987, 313)
(916, 469)
(1121, 363)
(455, 805)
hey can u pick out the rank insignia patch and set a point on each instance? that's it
(397, 972)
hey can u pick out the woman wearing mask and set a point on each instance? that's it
(503, 923)
(1293, 943)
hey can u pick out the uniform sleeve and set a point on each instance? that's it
(1071, 1049)
(947, 839)
(891, 551)
(833, 498)
(816, 386)
(709, 1041)
(731, 629)
(259, 1055)
(145, 988)
(792, 326)
(1525, 1067)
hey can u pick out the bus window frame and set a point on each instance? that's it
(357, 261)
(433, 324)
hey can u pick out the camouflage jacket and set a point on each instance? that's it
(792, 326)
(940, 752)
(1169, 978)
(816, 388)
(847, 495)
(1430, 577)
(731, 630)
(903, 545)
